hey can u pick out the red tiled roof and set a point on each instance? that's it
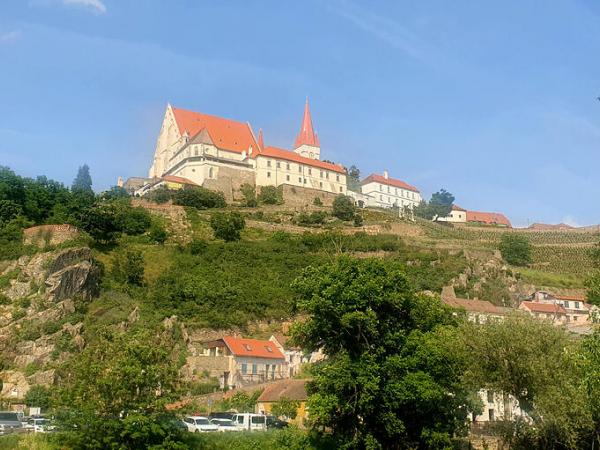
(307, 135)
(226, 134)
(288, 155)
(458, 208)
(544, 307)
(569, 297)
(482, 306)
(252, 347)
(388, 181)
(291, 389)
(489, 218)
(180, 180)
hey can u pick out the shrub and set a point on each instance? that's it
(358, 220)
(38, 396)
(199, 198)
(128, 267)
(343, 207)
(249, 193)
(227, 226)
(515, 249)
(133, 221)
(317, 201)
(269, 195)
(314, 218)
(198, 246)
(158, 233)
(160, 195)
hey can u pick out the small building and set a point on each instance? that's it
(488, 218)
(387, 192)
(294, 390)
(240, 362)
(497, 406)
(549, 311)
(577, 310)
(478, 311)
(294, 356)
(457, 215)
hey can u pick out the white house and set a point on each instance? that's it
(457, 215)
(386, 192)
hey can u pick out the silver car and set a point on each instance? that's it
(10, 423)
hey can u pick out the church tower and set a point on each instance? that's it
(307, 141)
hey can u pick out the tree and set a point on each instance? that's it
(158, 233)
(39, 396)
(515, 249)
(249, 193)
(115, 193)
(343, 207)
(83, 180)
(227, 226)
(128, 267)
(392, 374)
(592, 284)
(440, 204)
(199, 198)
(353, 179)
(101, 223)
(269, 195)
(286, 407)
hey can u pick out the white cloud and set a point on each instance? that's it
(9, 36)
(95, 5)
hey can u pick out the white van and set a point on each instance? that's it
(250, 422)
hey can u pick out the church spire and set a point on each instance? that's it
(261, 139)
(307, 135)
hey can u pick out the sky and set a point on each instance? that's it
(495, 102)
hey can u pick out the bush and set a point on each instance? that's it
(249, 193)
(343, 207)
(269, 195)
(199, 198)
(39, 396)
(317, 201)
(128, 267)
(198, 246)
(314, 218)
(158, 233)
(160, 195)
(133, 221)
(515, 249)
(227, 226)
(358, 220)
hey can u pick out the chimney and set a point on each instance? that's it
(385, 174)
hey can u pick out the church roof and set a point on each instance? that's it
(307, 135)
(226, 134)
(388, 182)
(288, 155)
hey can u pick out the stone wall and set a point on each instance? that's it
(303, 197)
(229, 180)
(44, 235)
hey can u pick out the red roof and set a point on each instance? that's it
(288, 155)
(252, 347)
(180, 180)
(226, 134)
(570, 297)
(307, 135)
(489, 218)
(290, 389)
(544, 307)
(458, 208)
(388, 181)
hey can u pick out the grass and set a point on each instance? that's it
(541, 278)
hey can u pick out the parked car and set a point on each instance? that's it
(221, 415)
(10, 423)
(42, 425)
(275, 423)
(200, 424)
(225, 425)
(250, 422)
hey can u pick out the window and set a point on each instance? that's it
(320, 184)
(491, 414)
(321, 174)
(196, 152)
(254, 369)
(381, 187)
(244, 368)
(574, 318)
(566, 304)
(299, 168)
(278, 164)
(309, 171)
(396, 191)
(341, 189)
(490, 396)
(269, 349)
(248, 347)
(381, 197)
(337, 178)
(268, 174)
(576, 305)
(287, 178)
(299, 179)
(304, 181)
(268, 163)
(210, 172)
(327, 175)
(287, 166)
(388, 189)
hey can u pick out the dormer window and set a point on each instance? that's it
(269, 349)
(248, 347)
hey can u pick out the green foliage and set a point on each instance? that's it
(343, 207)
(592, 284)
(101, 223)
(240, 401)
(270, 195)
(358, 220)
(381, 385)
(83, 180)
(314, 218)
(353, 179)
(227, 226)
(198, 246)
(160, 195)
(158, 233)
(199, 198)
(40, 396)
(132, 221)
(115, 193)
(249, 193)
(285, 408)
(128, 267)
(439, 205)
(515, 249)
(317, 201)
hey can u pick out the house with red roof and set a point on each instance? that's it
(383, 191)
(554, 312)
(576, 309)
(222, 154)
(457, 215)
(488, 218)
(238, 361)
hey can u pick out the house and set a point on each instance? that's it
(577, 310)
(294, 390)
(457, 215)
(478, 311)
(239, 361)
(294, 356)
(386, 192)
(497, 406)
(551, 311)
(487, 218)
(223, 154)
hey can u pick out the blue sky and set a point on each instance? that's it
(493, 101)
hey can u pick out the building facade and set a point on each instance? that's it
(386, 192)
(457, 215)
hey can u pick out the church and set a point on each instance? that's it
(223, 154)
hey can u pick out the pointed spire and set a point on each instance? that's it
(307, 135)
(261, 140)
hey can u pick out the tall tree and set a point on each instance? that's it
(391, 377)
(83, 180)
(353, 178)
(440, 204)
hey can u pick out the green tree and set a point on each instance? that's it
(440, 204)
(249, 194)
(131, 220)
(160, 195)
(343, 207)
(515, 249)
(592, 284)
(39, 396)
(158, 233)
(392, 374)
(199, 198)
(101, 222)
(286, 408)
(227, 226)
(128, 267)
(353, 178)
(9, 210)
(115, 193)
(83, 180)
(269, 195)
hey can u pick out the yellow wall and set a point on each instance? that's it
(301, 416)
